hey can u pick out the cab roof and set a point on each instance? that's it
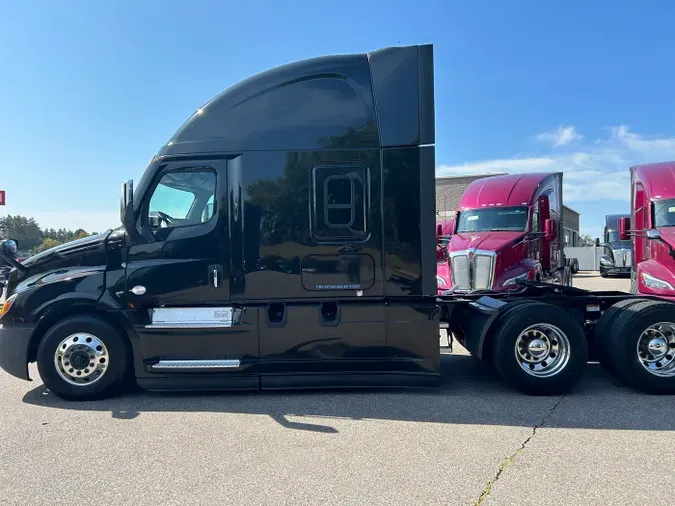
(657, 178)
(508, 190)
(352, 101)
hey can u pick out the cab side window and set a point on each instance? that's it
(182, 198)
(535, 220)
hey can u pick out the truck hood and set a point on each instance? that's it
(67, 249)
(489, 241)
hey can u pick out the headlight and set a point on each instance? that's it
(8, 303)
(606, 261)
(652, 282)
(514, 280)
(440, 281)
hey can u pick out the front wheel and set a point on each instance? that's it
(84, 358)
(540, 349)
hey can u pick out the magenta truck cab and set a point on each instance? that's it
(651, 227)
(508, 228)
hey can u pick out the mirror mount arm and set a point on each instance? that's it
(127, 213)
(12, 261)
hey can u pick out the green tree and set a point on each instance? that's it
(25, 231)
(586, 240)
(47, 243)
(79, 234)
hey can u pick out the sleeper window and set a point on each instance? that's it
(339, 204)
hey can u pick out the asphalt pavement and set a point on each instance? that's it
(473, 441)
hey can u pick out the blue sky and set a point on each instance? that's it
(90, 90)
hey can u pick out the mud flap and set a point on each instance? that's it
(476, 321)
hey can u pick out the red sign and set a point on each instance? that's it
(2, 197)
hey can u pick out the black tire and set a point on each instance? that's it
(113, 379)
(622, 340)
(601, 332)
(509, 328)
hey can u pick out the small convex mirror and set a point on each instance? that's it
(10, 247)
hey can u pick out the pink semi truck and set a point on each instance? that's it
(651, 228)
(507, 228)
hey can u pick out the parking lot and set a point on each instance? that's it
(471, 442)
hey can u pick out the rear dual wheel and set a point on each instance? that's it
(601, 346)
(539, 349)
(640, 345)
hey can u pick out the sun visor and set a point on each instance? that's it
(403, 89)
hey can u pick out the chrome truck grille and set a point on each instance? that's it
(472, 269)
(622, 257)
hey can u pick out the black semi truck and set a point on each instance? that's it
(617, 259)
(284, 238)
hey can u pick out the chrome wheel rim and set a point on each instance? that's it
(656, 349)
(542, 350)
(81, 359)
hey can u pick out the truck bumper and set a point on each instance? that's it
(14, 341)
(617, 271)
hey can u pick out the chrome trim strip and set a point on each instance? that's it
(191, 325)
(191, 317)
(197, 364)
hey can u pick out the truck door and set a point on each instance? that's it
(178, 282)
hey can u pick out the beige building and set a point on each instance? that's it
(449, 191)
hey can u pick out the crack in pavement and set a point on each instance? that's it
(511, 458)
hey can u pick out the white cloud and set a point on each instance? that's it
(593, 171)
(563, 136)
(496, 166)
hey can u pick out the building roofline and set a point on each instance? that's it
(573, 210)
(462, 176)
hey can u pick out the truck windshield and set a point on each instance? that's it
(613, 236)
(664, 213)
(512, 219)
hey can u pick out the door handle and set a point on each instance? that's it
(215, 275)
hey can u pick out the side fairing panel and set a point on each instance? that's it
(409, 220)
(403, 86)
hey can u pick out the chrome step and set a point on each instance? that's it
(196, 364)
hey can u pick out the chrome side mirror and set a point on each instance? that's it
(8, 251)
(9, 247)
